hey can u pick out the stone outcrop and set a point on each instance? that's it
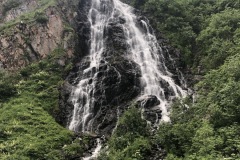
(10, 9)
(116, 81)
(149, 110)
(27, 41)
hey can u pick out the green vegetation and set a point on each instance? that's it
(207, 34)
(28, 102)
(37, 15)
(8, 89)
(41, 17)
(208, 129)
(204, 31)
(130, 140)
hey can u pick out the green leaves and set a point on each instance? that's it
(7, 85)
(203, 30)
(130, 139)
(208, 128)
(204, 141)
(217, 39)
(27, 128)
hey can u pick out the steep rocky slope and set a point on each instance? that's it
(37, 43)
(117, 81)
(31, 30)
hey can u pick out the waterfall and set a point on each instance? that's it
(95, 152)
(81, 98)
(147, 53)
(143, 49)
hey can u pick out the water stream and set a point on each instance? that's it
(144, 50)
(148, 54)
(95, 152)
(98, 16)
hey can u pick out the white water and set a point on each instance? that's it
(147, 53)
(144, 50)
(95, 152)
(81, 99)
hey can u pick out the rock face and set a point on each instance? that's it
(104, 86)
(28, 41)
(148, 101)
(150, 112)
(116, 80)
(12, 9)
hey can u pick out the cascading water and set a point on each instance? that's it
(143, 49)
(147, 53)
(81, 96)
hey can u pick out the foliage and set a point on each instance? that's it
(41, 18)
(208, 128)
(130, 139)
(7, 85)
(218, 37)
(27, 129)
(202, 30)
(207, 34)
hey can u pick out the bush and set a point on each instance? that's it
(129, 140)
(41, 17)
(7, 86)
(27, 129)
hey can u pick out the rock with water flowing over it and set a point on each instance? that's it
(148, 101)
(103, 80)
(151, 111)
(119, 59)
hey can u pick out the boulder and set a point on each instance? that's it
(148, 101)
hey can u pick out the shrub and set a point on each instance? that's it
(41, 17)
(129, 140)
(7, 88)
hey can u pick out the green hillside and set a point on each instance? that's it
(207, 34)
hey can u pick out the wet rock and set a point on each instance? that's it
(65, 107)
(122, 20)
(115, 38)
(26, 42)
(115, 81)
(152, 116)
(148, 101)
(150, 110)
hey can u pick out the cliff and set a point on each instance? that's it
(30, 30)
